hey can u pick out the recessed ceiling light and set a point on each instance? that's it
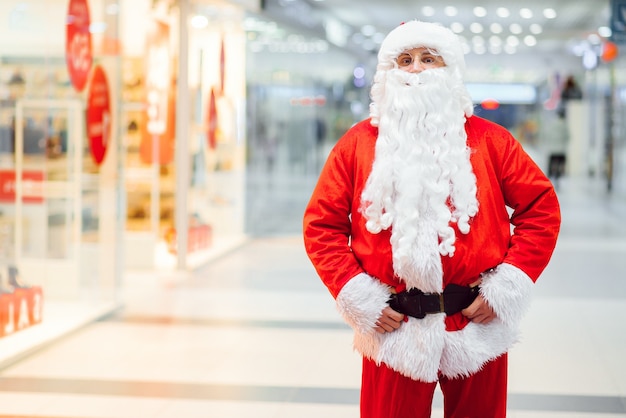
(530, 40)
(503, 12)
(480, 11)
(512, 40)
(526, 13)
(495, 28)
(549, 13)
(495, 41)
(476, 27)
(457, 27)
(515, 28)
(535, 28)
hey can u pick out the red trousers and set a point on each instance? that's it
(387, 394)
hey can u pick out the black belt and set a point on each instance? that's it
(417, 304)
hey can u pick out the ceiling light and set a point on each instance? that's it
(512, 41)
(526, 13)
(428, 11)
(503, 12)
(199, 22)
(495, 28)
(450, 11)
(480, 12)
(457, 27)
(476, 27)
(549, 13)
(515, 28)
(535, 28)
(605, 31)
(530, 40)
(495, 41)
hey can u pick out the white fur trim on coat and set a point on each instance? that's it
(361, 301)
(421, 348)
(507, 289)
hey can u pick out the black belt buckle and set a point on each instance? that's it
(434, 303)
(415, 303)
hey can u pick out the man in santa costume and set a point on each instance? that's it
(429, 227)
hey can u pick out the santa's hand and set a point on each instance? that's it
(389, 321)
(479, 311)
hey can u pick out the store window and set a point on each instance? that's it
(59, 165)
(212, 142)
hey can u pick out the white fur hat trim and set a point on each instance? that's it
(416, 34)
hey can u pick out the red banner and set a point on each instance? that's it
(32, 186)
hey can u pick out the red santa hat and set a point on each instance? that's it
(416, 34)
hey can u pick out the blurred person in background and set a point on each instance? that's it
(408, 227)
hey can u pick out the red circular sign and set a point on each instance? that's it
(78, 52)
(98, 115)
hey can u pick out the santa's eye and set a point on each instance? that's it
(404, 60)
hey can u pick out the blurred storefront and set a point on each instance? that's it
(122, 138)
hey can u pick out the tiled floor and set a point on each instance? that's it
(256, 335)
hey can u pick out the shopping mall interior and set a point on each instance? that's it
(156, 159)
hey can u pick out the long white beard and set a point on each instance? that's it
(422, 180)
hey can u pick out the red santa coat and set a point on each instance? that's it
(356, 265)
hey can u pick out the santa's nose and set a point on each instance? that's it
(415, 67)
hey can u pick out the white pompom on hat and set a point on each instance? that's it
(415, 34)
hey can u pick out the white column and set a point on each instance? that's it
(182, 137)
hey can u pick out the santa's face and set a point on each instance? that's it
(416, 60)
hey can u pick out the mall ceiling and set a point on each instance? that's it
(553, 23)
(519, 33)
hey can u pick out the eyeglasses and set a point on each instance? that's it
(424, 56)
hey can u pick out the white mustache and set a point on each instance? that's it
(427, 77)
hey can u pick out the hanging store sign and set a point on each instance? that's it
(99, 115)
(78, 50)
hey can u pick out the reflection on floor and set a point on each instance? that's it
(255, 334)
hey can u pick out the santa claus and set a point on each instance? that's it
(429, 226)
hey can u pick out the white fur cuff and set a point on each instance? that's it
(361, 301)
(507, 289)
